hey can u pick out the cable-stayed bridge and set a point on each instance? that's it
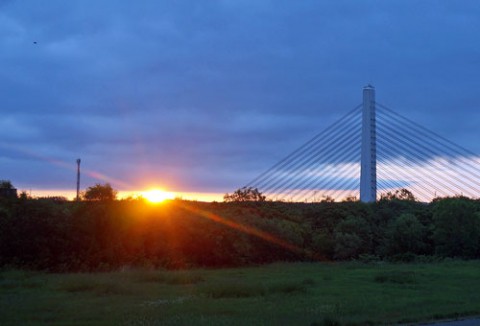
(370, 151)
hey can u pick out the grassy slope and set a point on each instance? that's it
(278, 294)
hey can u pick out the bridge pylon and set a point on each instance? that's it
(368, 166)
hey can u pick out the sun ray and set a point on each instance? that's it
(157, 195)
(247, 229)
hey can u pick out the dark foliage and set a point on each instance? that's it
(457, 227)
(7, 190)
(59, 235)
(245, 194)
(100, 192)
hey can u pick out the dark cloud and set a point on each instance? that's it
(206, 95)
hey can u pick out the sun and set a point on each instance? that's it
(157, 195)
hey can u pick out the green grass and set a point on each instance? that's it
(278, 294)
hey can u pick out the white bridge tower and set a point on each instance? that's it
(368, 169)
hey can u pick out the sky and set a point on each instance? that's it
(203, 96)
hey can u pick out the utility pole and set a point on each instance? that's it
(368, 169)
(78, 179)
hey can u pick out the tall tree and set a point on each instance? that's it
(100, 192)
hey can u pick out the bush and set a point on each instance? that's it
(353, 237)
(456, 228)
(405, 234)
(407, 257)
(367, 258)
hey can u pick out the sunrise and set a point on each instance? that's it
(156, 196)
(250, 162)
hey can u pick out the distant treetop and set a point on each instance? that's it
(399, 194)
(100, 192)
(6, 184)
(7, 190)
(245, 194)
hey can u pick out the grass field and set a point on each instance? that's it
(278, 294)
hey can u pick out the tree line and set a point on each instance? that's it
(103, 233)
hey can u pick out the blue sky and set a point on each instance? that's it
(202, 96)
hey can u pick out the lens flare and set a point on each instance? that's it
(157, 195)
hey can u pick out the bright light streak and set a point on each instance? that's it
(250, 230)
(157, 195)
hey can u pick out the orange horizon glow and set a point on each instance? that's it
(126, 194)
(157, 196)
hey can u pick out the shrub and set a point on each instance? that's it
(353, 237)
(456, 228)
(405, 234)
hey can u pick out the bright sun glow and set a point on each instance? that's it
(157, 195)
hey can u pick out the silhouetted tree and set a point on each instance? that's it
(7, 190)
(100, 192)
(327, 199)
(399, 194)
(350, 199)
(6, 184)
(245, 194)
